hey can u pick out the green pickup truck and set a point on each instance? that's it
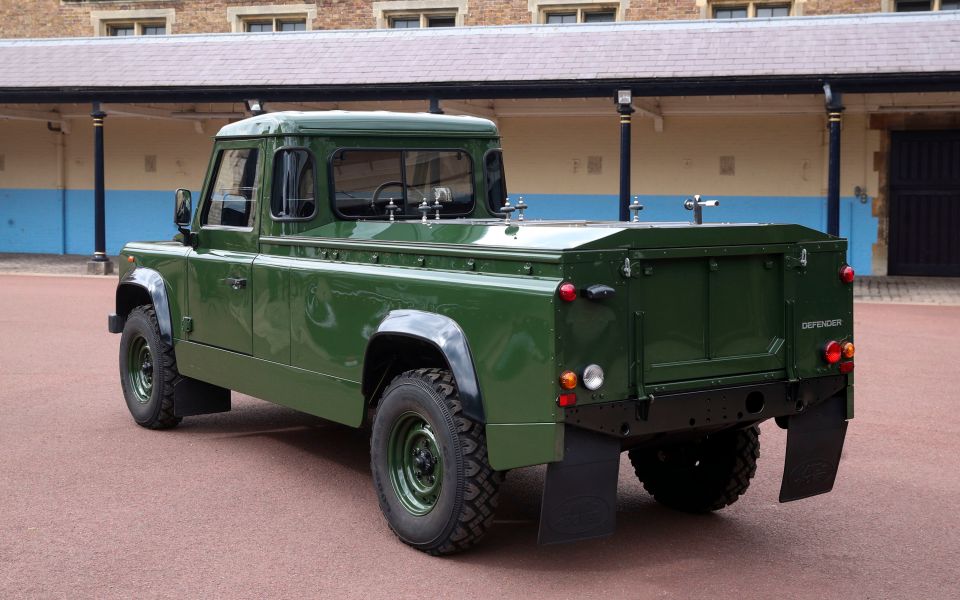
(370, 269)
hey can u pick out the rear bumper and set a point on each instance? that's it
(703, 411)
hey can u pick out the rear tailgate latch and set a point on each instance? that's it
(800, 263)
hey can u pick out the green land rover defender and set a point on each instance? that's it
(369, 268)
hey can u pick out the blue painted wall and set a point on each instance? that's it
(38, 221)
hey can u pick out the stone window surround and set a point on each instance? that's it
(384, 10)
(236, 15)
(707, 6)
(539, 8)
(102, 19)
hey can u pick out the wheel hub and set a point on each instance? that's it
(415, 464)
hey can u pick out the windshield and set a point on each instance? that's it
(373, 183)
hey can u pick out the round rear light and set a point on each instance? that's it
(846, 274)
(832, 352)
(568, 380)
(848, 350)
(592, 377)
(567, 291)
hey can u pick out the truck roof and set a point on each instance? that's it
(344, 122)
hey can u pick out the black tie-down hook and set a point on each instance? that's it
(696, 205)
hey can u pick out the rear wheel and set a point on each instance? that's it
(148, 371)
(701, 476)
(429, 462)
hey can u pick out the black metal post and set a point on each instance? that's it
(435, 106)
(625, 111)
(99, 216)
(834, 112)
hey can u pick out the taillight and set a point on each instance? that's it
(848, 349)
(832, 352)
(568, 380)
(567, 292)
(568, 399)
(846, 274)
(846, 367)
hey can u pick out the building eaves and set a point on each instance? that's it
(877, 52)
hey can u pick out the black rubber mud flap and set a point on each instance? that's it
(580, 492)
(193, 397)
(814, 444)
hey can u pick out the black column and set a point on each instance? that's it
(99, 218)
(625, 111)
(834, 111)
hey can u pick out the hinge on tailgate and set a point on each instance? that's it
(187, 324)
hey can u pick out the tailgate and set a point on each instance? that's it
(707, 313)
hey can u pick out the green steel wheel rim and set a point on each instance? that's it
(414, 463)
(140, 369)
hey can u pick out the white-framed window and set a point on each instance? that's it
(414, 14)
(760, 9)
(423, 19)
(272, 17)
(561, 12)
(122, 23)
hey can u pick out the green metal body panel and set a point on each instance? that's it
(700, 307)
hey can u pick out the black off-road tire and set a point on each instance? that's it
(154, 410)
(702, 476)
(465, 504)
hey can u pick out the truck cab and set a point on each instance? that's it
(369, 268)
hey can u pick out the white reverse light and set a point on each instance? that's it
(592, 377)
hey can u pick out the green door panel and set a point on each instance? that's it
(271, 310)
(511, 446)
(321, 395)
(221, 309)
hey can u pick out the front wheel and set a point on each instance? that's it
(429, 462)
(700, 476)
(148, 371)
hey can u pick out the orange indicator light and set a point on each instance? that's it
(848, 350)
(568, 380)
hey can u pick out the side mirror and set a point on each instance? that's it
(182, 214)
(183, 208)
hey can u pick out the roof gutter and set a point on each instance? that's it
(704, 86)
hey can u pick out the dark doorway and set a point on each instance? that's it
(924, 203)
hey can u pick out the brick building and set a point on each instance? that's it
(760, 145)
(81, 18)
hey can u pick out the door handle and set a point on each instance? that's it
(236, 282)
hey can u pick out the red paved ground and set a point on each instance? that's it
(265, 502)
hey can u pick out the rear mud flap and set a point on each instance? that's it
(193, 397)
(580, 492)
(814, 444)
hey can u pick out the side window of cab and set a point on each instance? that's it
(293, 197)
(232, 197)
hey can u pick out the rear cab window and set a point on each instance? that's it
(366, 181)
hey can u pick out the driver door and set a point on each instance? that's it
(219, 271)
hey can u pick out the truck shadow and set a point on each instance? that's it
(647, 533)
(257, 423)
